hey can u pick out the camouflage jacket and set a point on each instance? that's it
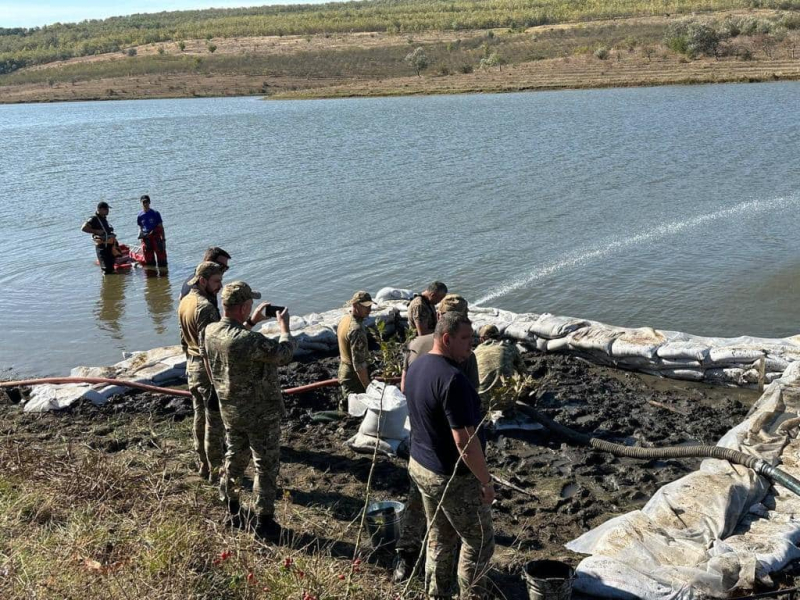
(496, 359)
(422, 312)
(244, 367)
(195, 313)
(353, 345)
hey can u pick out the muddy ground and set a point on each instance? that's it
(574, 489)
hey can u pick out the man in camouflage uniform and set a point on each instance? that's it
(448, 464)
(497, 359)
(353, 347)
(244, 369)
(422, 309)
(409, 545)
(195, 312)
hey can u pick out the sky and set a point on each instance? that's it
(32, 13)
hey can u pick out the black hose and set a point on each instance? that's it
(759, 465)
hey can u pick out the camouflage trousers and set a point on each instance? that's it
(414, 523)
(349, 382)
(208, 431)
(462, 517)
(248, 435)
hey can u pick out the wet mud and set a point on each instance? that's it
(570, 489)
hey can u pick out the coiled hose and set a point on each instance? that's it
(759, 465)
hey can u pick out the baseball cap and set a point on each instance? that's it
(362, 298)
(103, 204)
(238, 292)
(489, 331)
(453, 303)
(205, 270)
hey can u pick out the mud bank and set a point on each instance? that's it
(574, 489)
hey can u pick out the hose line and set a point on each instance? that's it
(759, 465)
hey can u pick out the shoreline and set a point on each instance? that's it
(700, 73)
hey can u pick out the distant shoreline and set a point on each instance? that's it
(558, 74)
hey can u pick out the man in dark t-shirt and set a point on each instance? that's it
(447, 441)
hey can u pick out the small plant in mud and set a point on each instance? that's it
(392, 349)
(509, 390)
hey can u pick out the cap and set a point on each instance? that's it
(205, 270)
(362, 298)
(238, 292)
(102, 205)
(489, 331)
(453, 303)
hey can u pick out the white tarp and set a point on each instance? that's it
(714, 532)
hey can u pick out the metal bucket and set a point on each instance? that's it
(383, 523)
(548, 580)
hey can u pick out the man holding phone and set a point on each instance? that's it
(244, 368)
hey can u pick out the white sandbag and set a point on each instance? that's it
(553, 327)
(541, 344)
(48, 397)
(724, 376)
(774, 363)
(752, 376)
(520, 328)
(108, 372)
(557, 345)
(157, 373)
(387, 401)
(731, 354)
(295, 324)
(365, 444)
(594, 338)
(137, 360)
(642, 342)
(686, 363)
(684, 350)
(108, 391)
(685, 374)
(390, 293)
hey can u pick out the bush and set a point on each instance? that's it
(212, 48)
(161, 49)
(131, 52)
(465, 69)
(181, 46)
(601, 53)
(418, 60)
(701, 39)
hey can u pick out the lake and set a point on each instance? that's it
(670, 207)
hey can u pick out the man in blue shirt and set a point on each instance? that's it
(151, 232)
(447, 453)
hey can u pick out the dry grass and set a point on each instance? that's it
(80, 522)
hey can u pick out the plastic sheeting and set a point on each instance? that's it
(715, 532)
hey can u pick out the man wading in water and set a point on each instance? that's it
(104, 238)
(151, 232)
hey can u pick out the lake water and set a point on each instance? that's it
(671, 207)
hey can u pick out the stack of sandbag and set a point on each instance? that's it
(715, 533)
(316, 333)
(385, 423)
(153, 367)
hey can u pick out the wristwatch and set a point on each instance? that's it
(249, 321)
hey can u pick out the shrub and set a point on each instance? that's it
(131, 52)
(601, 53)
(701, 39)
(181, 46)
(465, 69)
(212, 48)
(161, 49)
(418, 60)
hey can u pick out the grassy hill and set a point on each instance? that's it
(22, 47)
(361, 48)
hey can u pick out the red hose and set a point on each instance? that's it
(156, 389)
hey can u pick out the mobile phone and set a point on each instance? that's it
(272, 310)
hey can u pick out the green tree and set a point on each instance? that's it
(418, 60)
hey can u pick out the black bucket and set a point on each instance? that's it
(548, 580)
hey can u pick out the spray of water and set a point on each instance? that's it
(749, 209)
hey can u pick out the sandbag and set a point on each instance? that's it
(108, 372)
(684, 350)
(724, 376)
(732, 354)
(595, 338)
(685, 374)
(365, 444)
(387, 401)
(48, 396)
(553, 327)
(520, 328)
(390, 293)
(643, 343)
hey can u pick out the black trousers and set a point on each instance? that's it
(105, 257)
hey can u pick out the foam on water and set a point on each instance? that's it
(749, 209)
